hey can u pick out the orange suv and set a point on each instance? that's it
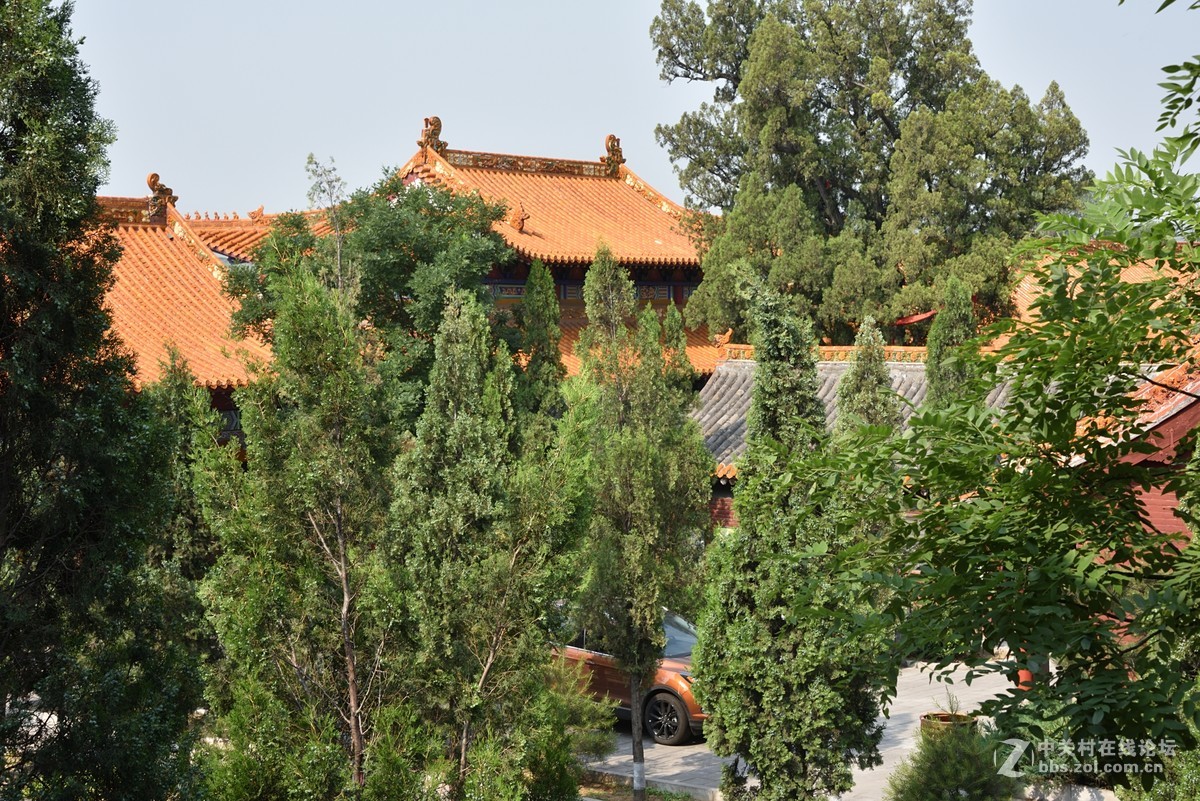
(670, 715)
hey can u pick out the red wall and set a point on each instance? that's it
(721, 511)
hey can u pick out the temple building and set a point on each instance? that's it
(167, 295)
(559, 211)
(167, 298)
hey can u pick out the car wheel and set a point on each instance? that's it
(666, 720)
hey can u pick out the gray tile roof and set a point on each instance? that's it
(724, 403)
(725, 400)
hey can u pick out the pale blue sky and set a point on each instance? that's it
(225, 98)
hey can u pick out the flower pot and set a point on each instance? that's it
(934, 723)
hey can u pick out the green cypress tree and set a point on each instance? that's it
(784, 404)
(650, 479)
(299, 597)
(539, 384)
(947, 364)
(95, 687)
(484, 539)
(865, 395)
(187, 548)
(772, 643)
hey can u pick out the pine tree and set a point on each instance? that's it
(650, 479)
(865, 395)
(947, 365)
(95, 687)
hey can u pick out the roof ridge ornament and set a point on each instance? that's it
(431, 135)
(517, 217)
(161, 197)
(615, 157)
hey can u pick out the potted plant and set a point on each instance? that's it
(943, 720)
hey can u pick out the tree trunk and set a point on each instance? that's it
(635, 724)
(354, 713)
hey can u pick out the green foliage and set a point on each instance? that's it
(1179, 782)
(95, 683)
(947, 766)
(788, 694)
(791, 678)
(1024, 525)
(865, 395)
(187, 547)
(784, 402)
(394, 252)
(870, 154)
(539, 384)
(299, 597)
(948, 365)
(485, 541)
(649, 471)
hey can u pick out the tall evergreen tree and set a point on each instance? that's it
(485, 538)
(539, 385)
(299, 596)
(947, 367)
(784, 403)
(859, 153)
(187, 547)
(789, 697)
(865, 395)
(95, 688)
(650, 479)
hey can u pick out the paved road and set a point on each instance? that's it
(696, 770)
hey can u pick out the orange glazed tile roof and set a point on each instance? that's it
(701, 351)
(236, 237)
(561, 210)
(1171, 393)
(1027, 290)
(167, 291)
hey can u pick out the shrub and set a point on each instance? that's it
(1179, 782)
(953, 765)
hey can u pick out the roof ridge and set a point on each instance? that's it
(511, 162)
(179, 224)
(639, 185)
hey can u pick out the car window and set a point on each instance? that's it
(681, 637)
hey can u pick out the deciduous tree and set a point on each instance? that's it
(405, 246)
